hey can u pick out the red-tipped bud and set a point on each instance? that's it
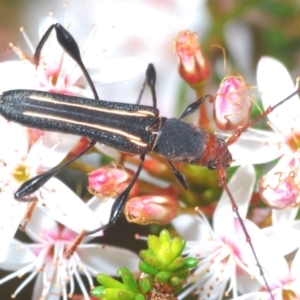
(279, 191)
(109, 181)
(151, 209)
(82, 144)
(193, 66)
(232, 106)
(156, 168)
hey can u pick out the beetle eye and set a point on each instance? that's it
(228, 161)
(212, 165)
(222, 142)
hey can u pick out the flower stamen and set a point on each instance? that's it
(27, 40)
(294, 140)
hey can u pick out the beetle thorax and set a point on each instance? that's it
(216, 153)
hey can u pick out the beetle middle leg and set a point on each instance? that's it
(119, 203)
(150, 80)
(116, 210)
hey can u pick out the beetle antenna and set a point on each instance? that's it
(222, 178)
(240, 130)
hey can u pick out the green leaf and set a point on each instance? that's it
(97, 292)
(146, 268)
(163, 276)
(145, 284)
(120, 294)
(177, 246)
(154, 244)
(191, 262)
(128, 279)
(176, 264)
(164, 236)
(108, 281)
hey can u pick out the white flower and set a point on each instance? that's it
(224, 255)
(261, 146)
(56, 275)
(146, 30)
(20, 161)
(58, 72)
(282, 273)
(278, 188)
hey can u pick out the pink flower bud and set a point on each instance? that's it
(109, 181)
(151, 209)
(232, 106)
(193, 66)
(279, 190)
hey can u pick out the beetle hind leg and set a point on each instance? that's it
(116, 210)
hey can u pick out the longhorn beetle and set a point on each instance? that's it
(131, 128)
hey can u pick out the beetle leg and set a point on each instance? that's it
(120, 202)
(179, 176)
(150, 81)
(32, 185)
(68, 43)
(116, 210)
(28, 215)
(192, 107)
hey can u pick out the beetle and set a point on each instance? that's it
(131, 128)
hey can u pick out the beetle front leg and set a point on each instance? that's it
(194, 106)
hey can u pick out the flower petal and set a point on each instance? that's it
(184, 223)
(11, 213)
(108, 259)
(284, 215)
(102, 208)
(41, 226)
(265, 254)
(241, 187)
(284, 237)
(66, 207)
(18, 141)
(22, 79)
(254, 296)
(256, 147)
(112, 70)
(53, 148)
(18, 255)
(275, 84)
(295, 267)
